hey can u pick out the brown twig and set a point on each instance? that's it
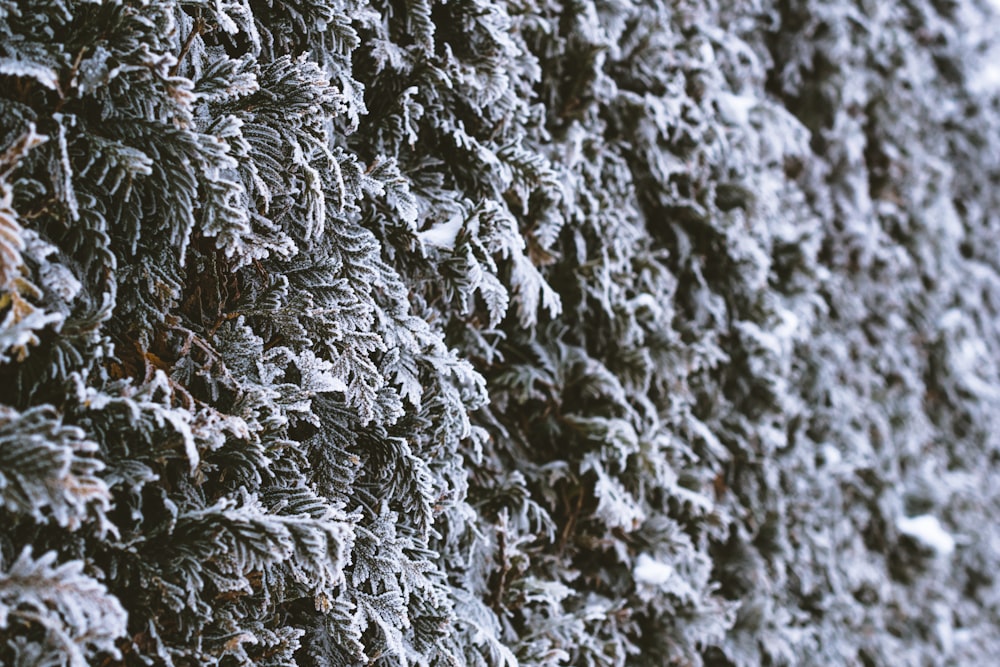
(196, 31)
(570, 526)
(497, 595)
(69, 79)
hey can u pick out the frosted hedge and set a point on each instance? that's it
(465, 332)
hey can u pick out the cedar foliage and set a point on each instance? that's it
(461, 332)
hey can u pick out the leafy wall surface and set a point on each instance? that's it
(479, 333)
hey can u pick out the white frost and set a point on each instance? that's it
(444, 234)
(927, 530)
(651, 571)
(735, 109)
(831, 455)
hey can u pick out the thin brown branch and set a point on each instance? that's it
(196, 31)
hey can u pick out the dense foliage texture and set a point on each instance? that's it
(467, 332)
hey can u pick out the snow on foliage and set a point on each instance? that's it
(413, 332)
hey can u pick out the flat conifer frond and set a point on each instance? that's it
(531, 333)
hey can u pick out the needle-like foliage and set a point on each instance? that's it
(467, 332)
